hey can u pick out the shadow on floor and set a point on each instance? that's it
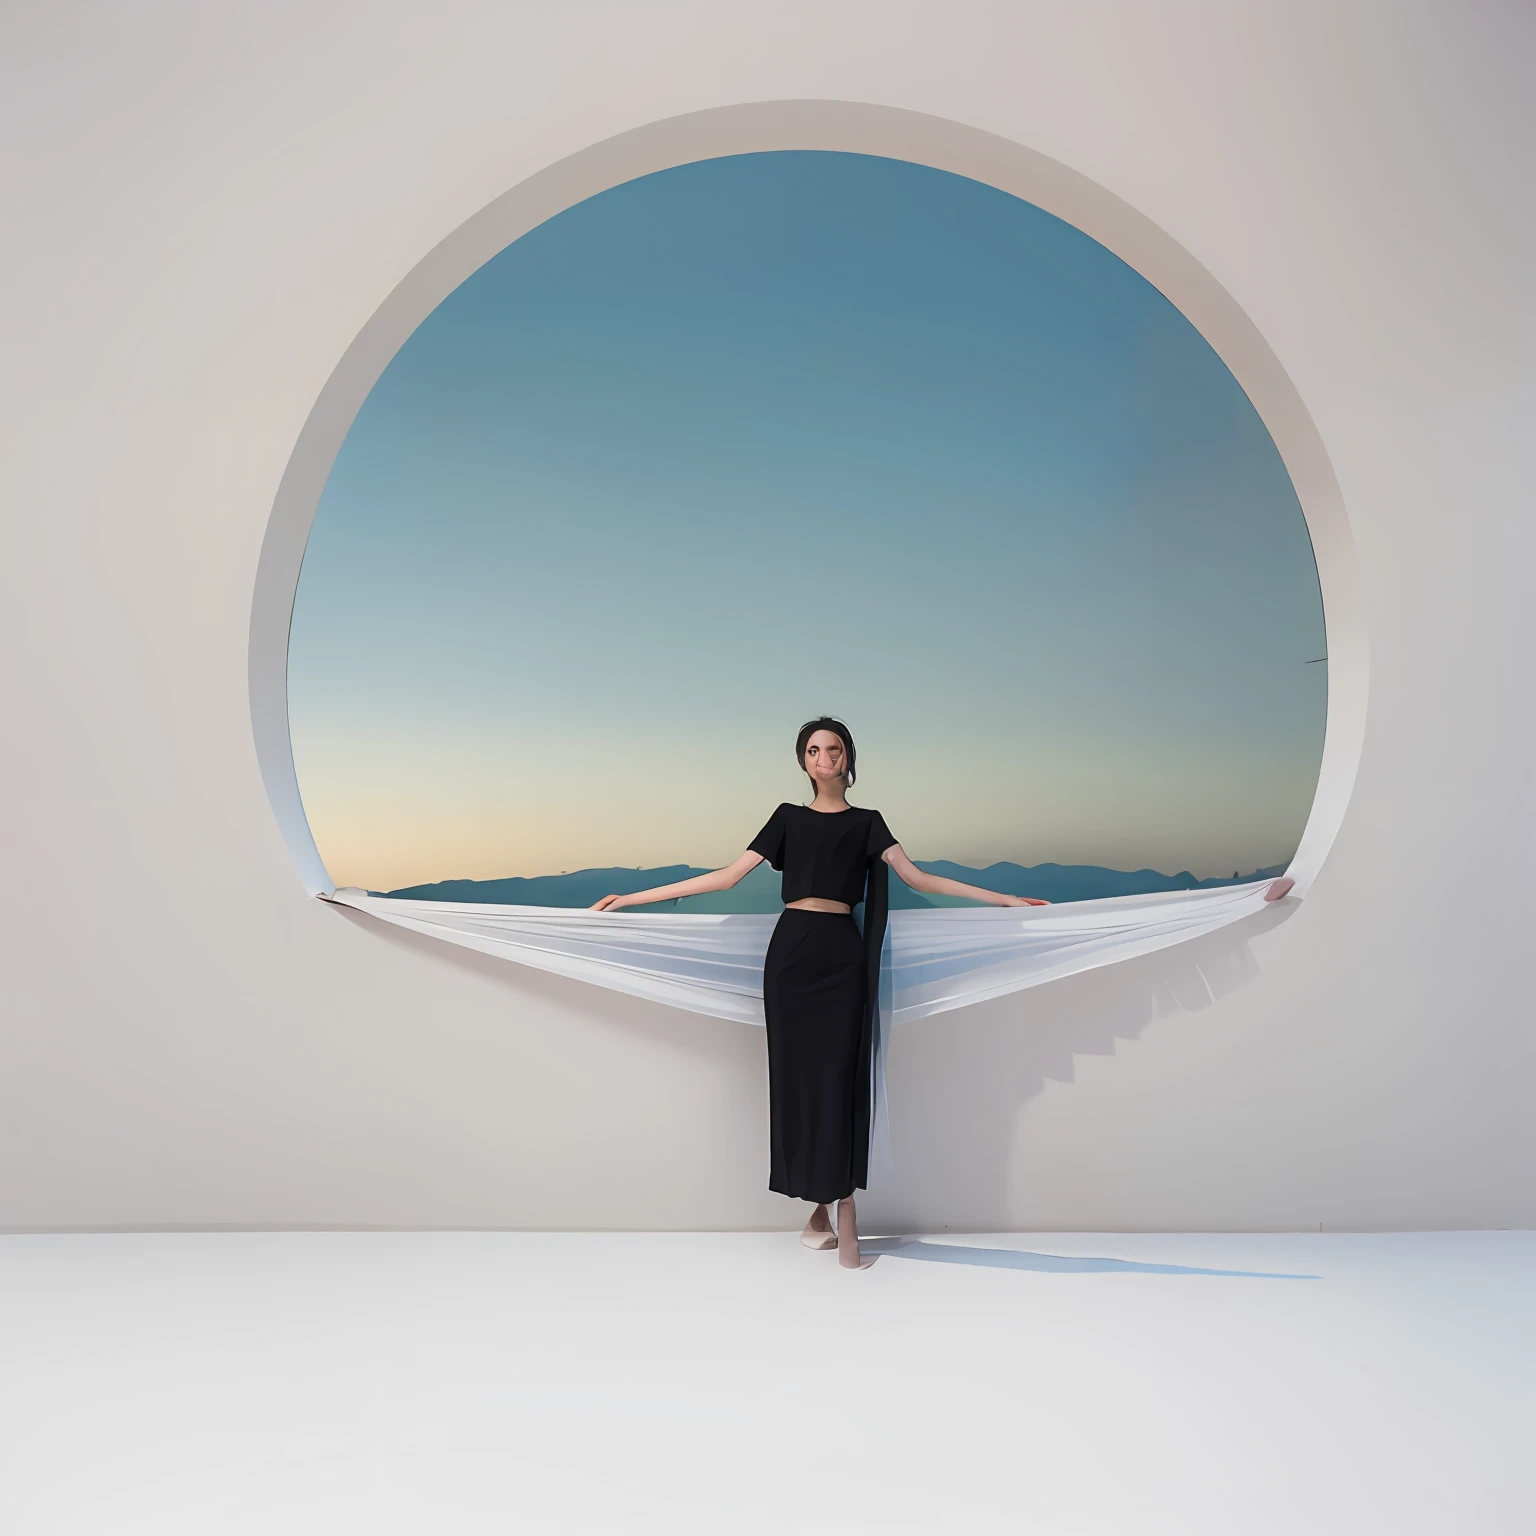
(1044, 1263)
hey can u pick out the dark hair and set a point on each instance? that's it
(826, 723)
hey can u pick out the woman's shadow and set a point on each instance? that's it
(956, 1081)
(1047, 1263)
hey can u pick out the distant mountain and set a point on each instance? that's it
(578, 889)
(759, 892)
(1075, 882)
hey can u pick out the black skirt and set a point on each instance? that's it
(814, 994)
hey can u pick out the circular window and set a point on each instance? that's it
(762, 436)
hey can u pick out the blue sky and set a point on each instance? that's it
(755, 438)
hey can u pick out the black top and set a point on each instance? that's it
(823, 853)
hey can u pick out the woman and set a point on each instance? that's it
(821, 977)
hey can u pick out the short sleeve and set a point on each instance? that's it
(770, 841)
(879, 835)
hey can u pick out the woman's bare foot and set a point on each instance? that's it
(818, 1230)
(848, 1236)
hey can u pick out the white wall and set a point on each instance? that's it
(205, 205)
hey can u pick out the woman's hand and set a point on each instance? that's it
(1023, 901)
(610, 904)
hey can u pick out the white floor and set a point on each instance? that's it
(445, 1383)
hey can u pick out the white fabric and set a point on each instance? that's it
(932, 961)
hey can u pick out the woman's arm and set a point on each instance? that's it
(939, 885)
(715, 880)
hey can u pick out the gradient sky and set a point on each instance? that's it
(766, 436)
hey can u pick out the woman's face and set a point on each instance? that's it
(825, 759)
